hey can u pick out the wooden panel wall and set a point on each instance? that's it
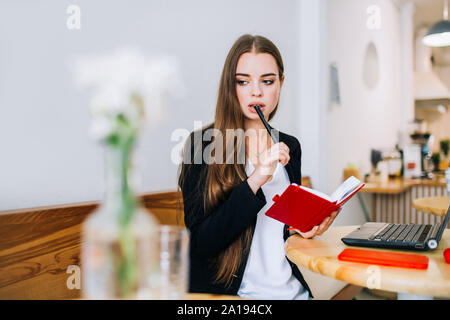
(37, 245)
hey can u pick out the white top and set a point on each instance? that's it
(268, 274)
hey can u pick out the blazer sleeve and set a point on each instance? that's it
(212, 233)
(296, 159)
(296, 162)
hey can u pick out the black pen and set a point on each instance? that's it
(261, 116)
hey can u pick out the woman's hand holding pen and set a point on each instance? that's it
(267, 163)
(321, 228)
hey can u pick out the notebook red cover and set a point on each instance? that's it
(383, 258)
(301, 209)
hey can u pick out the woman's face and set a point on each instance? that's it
(257, 82)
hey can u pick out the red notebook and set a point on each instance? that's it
(303, 208)
(392, 259)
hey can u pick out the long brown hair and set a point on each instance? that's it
(222, 177)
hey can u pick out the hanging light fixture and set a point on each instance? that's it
(439, 33)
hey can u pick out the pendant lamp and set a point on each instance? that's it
(439, 33)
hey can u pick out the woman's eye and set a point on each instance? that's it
(268, 82)
(241, 82)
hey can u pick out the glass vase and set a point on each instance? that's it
(119, 253)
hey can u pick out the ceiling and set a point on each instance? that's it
(426, 13)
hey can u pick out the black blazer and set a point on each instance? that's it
(211, 234)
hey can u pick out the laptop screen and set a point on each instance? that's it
(444, 225)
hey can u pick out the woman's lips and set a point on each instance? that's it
(252, 109)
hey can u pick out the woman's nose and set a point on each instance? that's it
(256, 90)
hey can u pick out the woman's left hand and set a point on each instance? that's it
(321, 228)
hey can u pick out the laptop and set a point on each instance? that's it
(411, 236)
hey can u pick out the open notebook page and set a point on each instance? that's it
(345, 189)
(317, 193)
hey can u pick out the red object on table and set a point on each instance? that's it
(447, 255)
(303, 210)
(391, 259)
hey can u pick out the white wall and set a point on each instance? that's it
(46, 156)
(366, 118)
(312, 96)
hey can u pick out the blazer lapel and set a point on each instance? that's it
(290, 171)
(289, 168)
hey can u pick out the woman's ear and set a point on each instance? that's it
(282, 81)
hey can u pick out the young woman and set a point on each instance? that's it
(235, 249)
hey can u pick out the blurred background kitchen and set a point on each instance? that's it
(363, 94)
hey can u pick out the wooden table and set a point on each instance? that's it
(399, 185)
(433, 205)
(320, 255)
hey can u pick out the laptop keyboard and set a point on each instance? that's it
(403, 233)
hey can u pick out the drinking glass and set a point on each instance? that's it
(169, 277)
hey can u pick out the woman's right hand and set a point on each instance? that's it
(267, 163)
(321, 228)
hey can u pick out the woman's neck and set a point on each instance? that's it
(255, 124)
(258, 139)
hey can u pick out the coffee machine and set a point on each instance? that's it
(421, 137)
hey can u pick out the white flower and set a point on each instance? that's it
(102, 128)
(128, 83)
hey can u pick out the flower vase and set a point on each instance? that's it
(119, 254)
